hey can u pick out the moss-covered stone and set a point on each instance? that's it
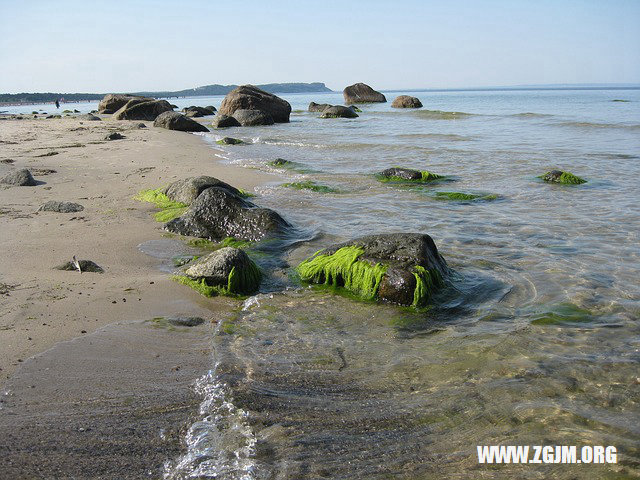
(309, 185)
(464, 197)
(400, 174)
(564, 178)
(564, 313)
(169, 209)
(225, 242)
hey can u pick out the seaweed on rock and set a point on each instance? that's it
(169, 209)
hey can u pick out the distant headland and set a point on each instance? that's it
(206, 90)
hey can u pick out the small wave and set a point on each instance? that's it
(438, 136)
(531, 115)
(622, 126)
(441, 115)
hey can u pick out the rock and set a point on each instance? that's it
(338, 111)
(114, 136)
(402, 268)
(76, 111)
(224, 121)
(142, 109)
(566, 178)
(318, 107)
(140, 125)
(114, 102)
(185, 321)
(177, 121)
(194, 111)
(355, 109)
(218, 213)
(362, 93)
(249, 118)
(211, 108)
(252, 98)
(61, 207)
(85, 266)
(403, 173)
(19, 178)
(225, 271)
(187, 190)
(229, 141)
(280, 162)
(89, 118)
(406, 101)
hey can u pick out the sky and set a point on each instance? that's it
(122, 46)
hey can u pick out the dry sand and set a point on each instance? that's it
(121, 380)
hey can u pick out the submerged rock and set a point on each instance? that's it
(229, 141)
(249, 118)
(19, 178)
(402, 268)
(114, 102)
(399, 173)
(338, 111)
(318, 107)
(566, 178)
(252, 98)
(187, 190)
(224, 121)
(85, 266)
(185, 321)
(362, 93)
(60, 207)
(218, 213)
(142, 109)
(230, 269)
(406, 101)
(177, 121)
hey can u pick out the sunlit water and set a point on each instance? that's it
(535, 340)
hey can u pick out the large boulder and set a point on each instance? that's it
(224, 121)
(218, 213)
(142, 109)
(187, 190)
(401, 268)
(252, 98)
(194, 111)
(114, 102)
(250, 118)
(318, 107)
(229, 268)
(19, 178)
(338, 111)
(362, 93)
(406, 101)
(177, 121)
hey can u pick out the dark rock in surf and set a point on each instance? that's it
(362, 93)
(318, 107)
(224, 121)
(406, 101)
(403, 173)
(248, 97)
(218, 213)
(19, 178)
(187, 190)
(402, 268)
(338, 111)
(177, 121)
(250, 118)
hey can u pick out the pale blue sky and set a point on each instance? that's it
(101, 46)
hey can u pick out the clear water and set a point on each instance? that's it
(535, 341)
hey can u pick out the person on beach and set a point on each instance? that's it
(57, 103)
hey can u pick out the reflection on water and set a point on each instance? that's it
(535, 341)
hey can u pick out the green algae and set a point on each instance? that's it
(426, 282)
(343, 269)
(181, 260)
(309, 185)
(426, 177)
(225, 242)
(620, 100)
(169, 209)
(244, 193)
(464, 197)
(567, 178)
(564, 313)
(229, 141)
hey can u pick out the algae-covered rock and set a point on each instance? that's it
(407, 174)
(187, 190)
(218, 213)
(465, 197)
(229, 141)
(402, 268)
(61, 207)
(19, 178)
(225, 271)
(406, 101)
(565, 178)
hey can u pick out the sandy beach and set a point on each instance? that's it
(104, 376)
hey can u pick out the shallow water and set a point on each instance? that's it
(535, 340)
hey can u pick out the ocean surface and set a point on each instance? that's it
(534, 341)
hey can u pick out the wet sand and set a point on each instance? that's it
(121, 381)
